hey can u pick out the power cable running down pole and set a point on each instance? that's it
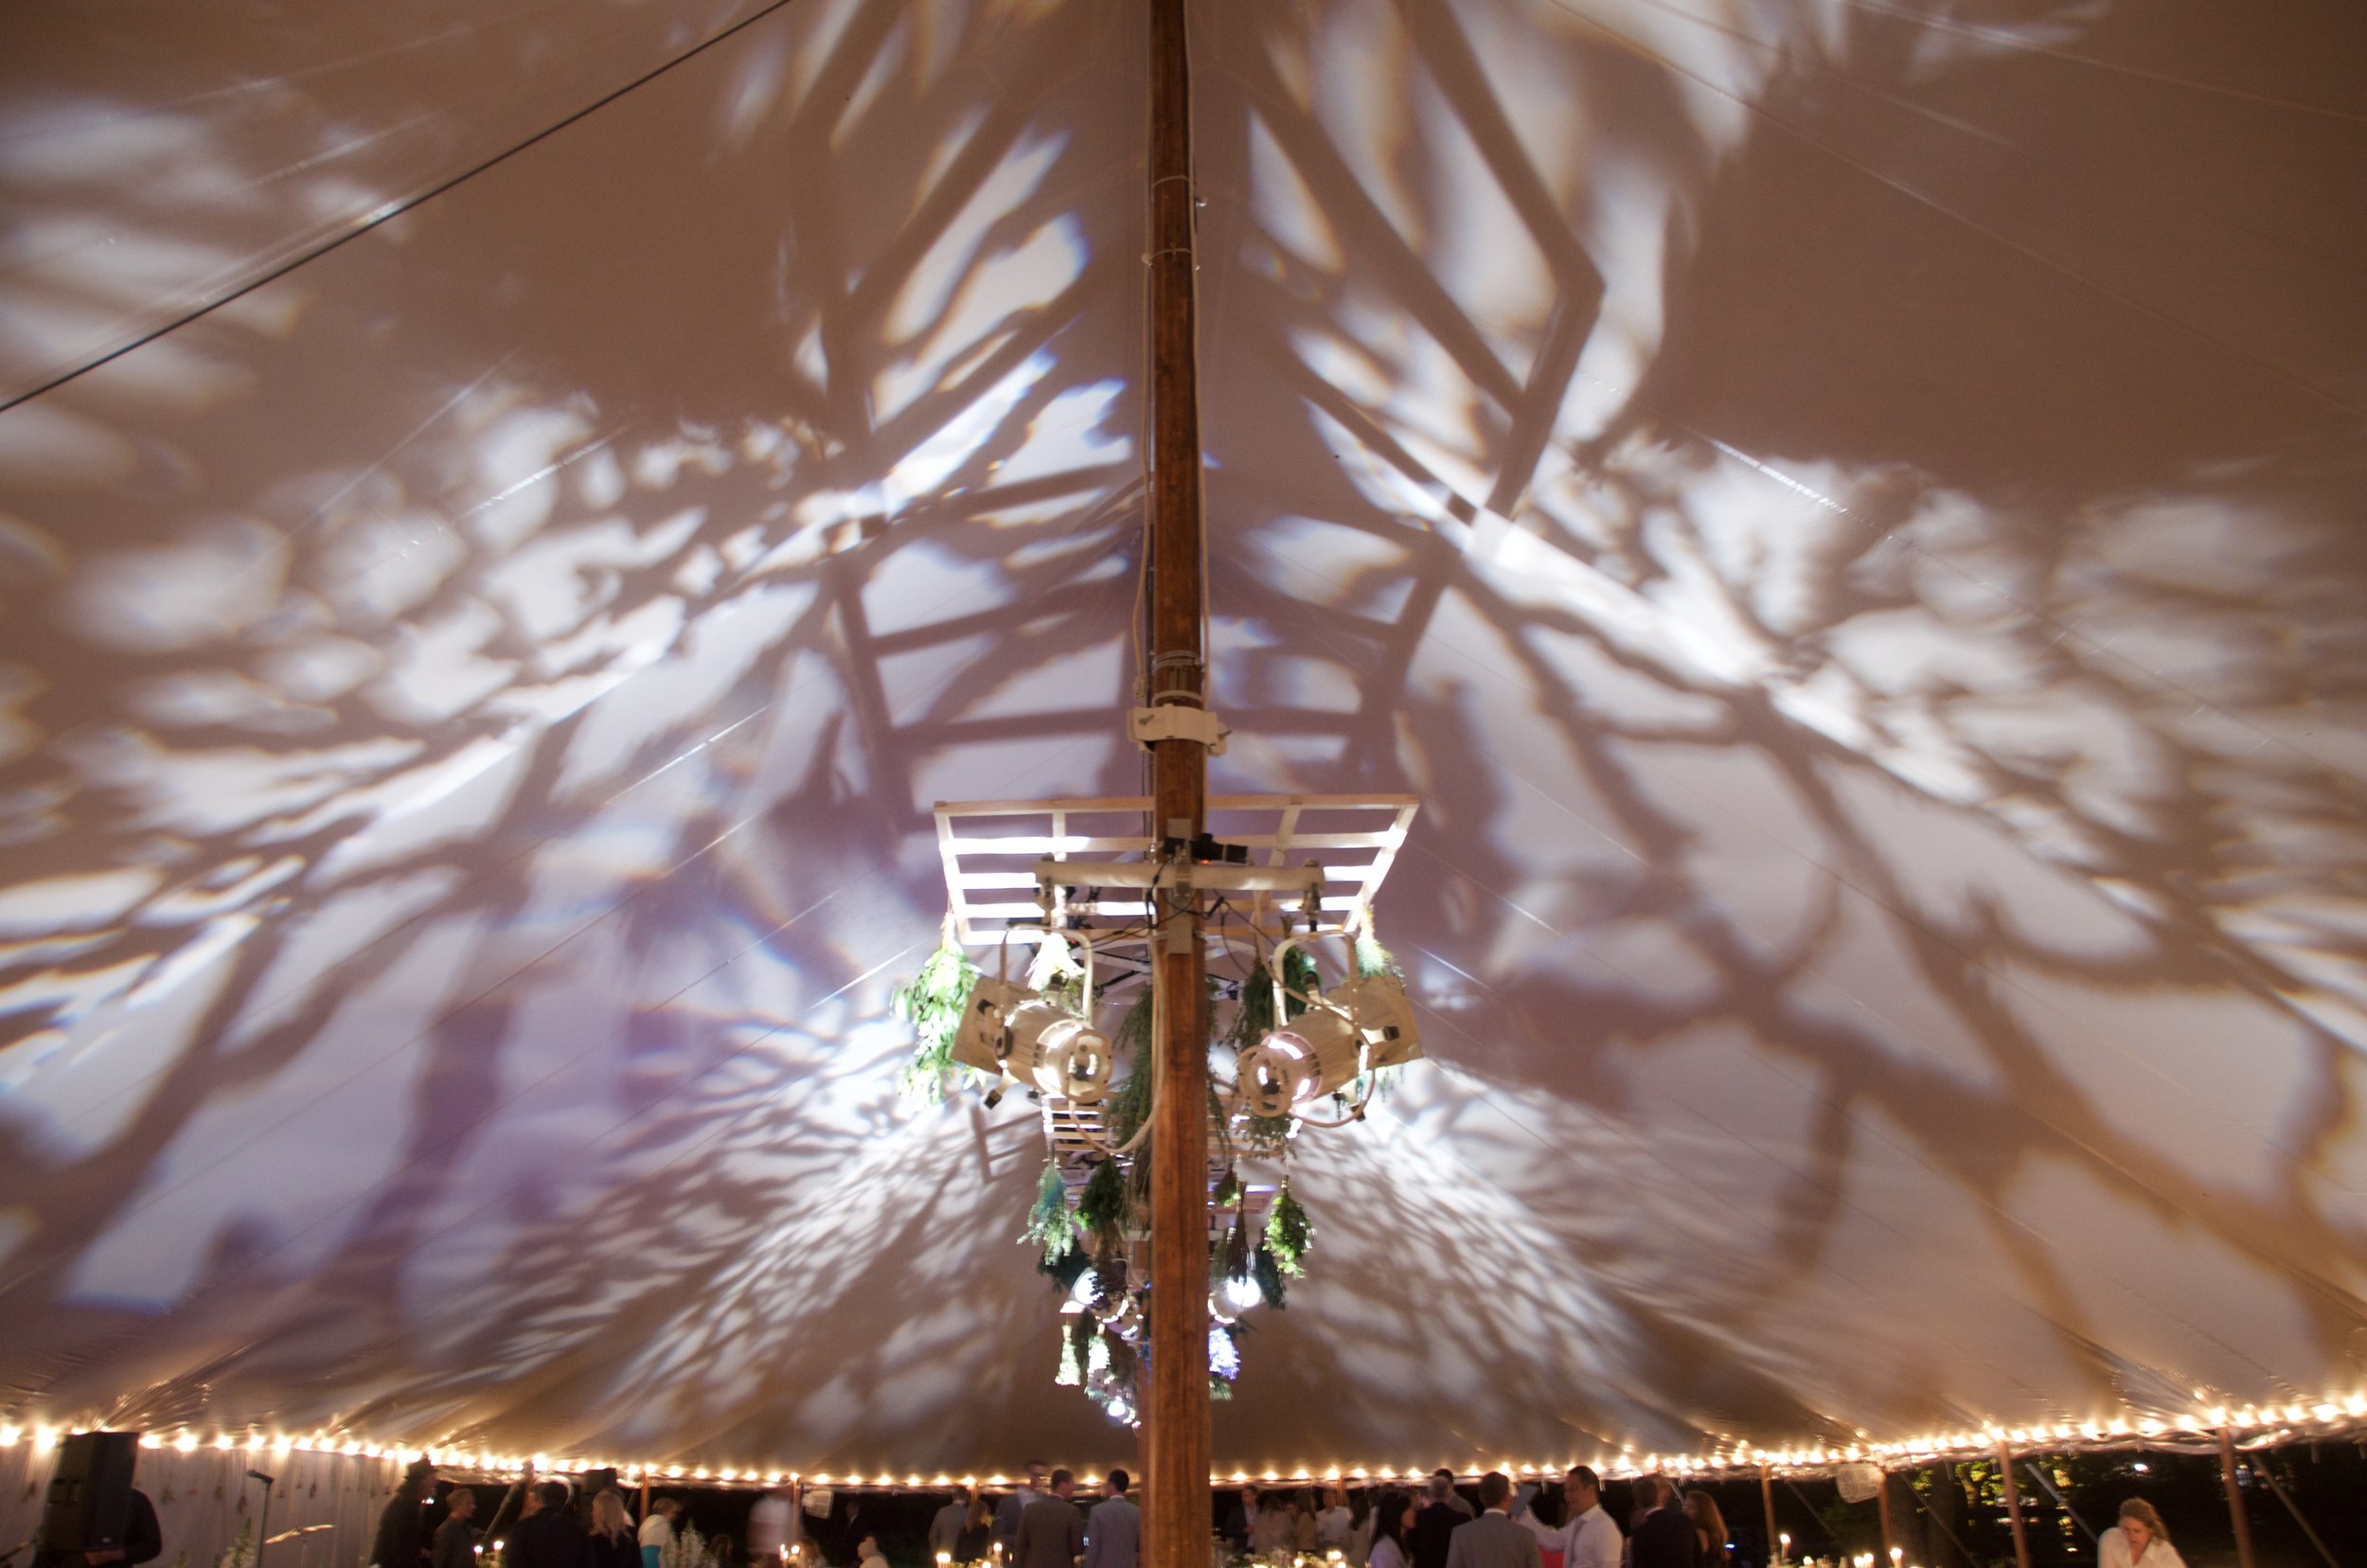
(386, 214)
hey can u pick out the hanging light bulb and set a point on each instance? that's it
(1242, 1292)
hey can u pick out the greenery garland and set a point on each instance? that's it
(1105, 1207)
(1052, 1224)
(932, 1003)
(1290, 1233)
(1269, 1276)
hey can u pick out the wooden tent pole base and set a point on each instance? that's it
(2235, 1500)
(2012, 1508)
(1767, 1500)
(1890, 1541)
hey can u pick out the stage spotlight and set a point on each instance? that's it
(1015, 1032)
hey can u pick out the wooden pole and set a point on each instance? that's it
(644, 1499)
(1175, 1416)
(2235, 1500)
(1890, 1541)
(1767, 1500)
(2012, 1508)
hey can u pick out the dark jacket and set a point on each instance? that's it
(607, 1551)
(1051, 1534)
(402, 1533)
(1433, 1533)
(1665, 1538)
(548, 1539)
(456, 1546)
(143, 1540)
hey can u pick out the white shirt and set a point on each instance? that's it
(1385, 1554)
(1592, 1541)
(2113, 1552)
(1332, 1527)
(658, 1531)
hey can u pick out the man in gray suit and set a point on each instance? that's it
(1052, 1532)
(1114, 1530)
(1492, 1539)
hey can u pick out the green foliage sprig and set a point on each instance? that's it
(1106, 1208)
(1052, 1224)
(1290, 1233)
(932, 1003)
(1269, 1276)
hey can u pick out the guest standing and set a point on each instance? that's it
(1008, 1512)
(1334, 1521)
(768, 1527)
(2138, 1541)
(1435, 1520)
(944, 1528)
(613, 1543)
(977, 1535)
(1113, 1531)
(1275, 1528)
(1241, 1518)
(1709, 1526)
(1492, 1539)
(1663, 1536)
(1051, 1532)
(1393, 1532)
(1591, 1538)
(401, 1540)
(456, 1537)
(658, 1531)
(546, 1534)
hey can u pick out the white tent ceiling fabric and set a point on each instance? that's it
(1846, 512)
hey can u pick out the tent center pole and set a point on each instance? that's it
(1175, 1438)
(1767, 1500)
(2012, 1508)
(2235, 1500)
(1890, 1541)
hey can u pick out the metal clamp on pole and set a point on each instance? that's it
(1176, 722)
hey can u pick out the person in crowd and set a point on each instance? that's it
(1113, 1531)
(1492, 1539)
(2138, 1541)
(1303, 1511)
(1709, 1526)
(945, 1526)
(658, 1531)
(612, 1542)
(977, 1537)
(1333, 1520)
(768, 1527)
(1241, 1518)
(1662, 1536)
(1524, 1513)
(1275, 1528)
(1393, 1532)
(546, 1534)
(1009, 1511)
(455, 1539)
(721, 1554)
(1590, 1538)
(1437, 1519)
(867, 1553)
(143, 1538)
(402, 1539)
(1051, 1532)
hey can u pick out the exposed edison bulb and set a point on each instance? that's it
(1242, 1294)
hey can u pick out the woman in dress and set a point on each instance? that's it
(977, 1530)
(2138, 1541)
(1303, 1511)
(1709, 1527)
(613, 1542)
(1392, 1519)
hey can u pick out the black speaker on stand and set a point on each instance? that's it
(89, 1505)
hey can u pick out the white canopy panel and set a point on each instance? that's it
(1845, 514)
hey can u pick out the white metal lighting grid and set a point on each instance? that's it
(991, 847)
